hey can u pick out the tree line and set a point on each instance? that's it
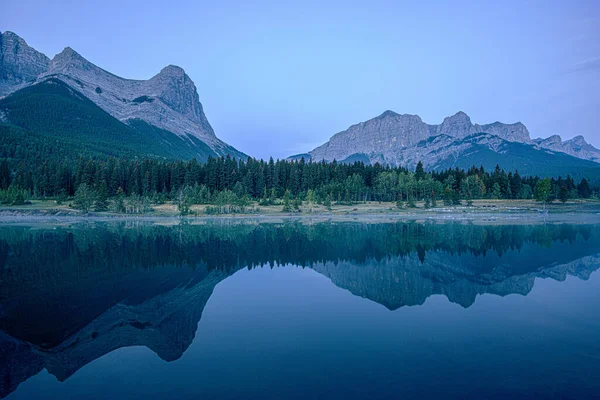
(231, 185)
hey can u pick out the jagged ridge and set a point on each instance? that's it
(168, 101)
(404, 139)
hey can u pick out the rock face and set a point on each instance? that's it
(459, 125)
(167, 101)
(386, 134)
(576, 147)
(20, 64)
(404, 140)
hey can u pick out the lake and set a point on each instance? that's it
(285, 310)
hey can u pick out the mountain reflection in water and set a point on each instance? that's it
(69, 295)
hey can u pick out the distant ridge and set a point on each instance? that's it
(404, 139)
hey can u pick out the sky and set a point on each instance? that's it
(278, 78)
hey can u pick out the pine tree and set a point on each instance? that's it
(264, 201)
(583, 189)
(4, 175)
(419, 171)
(411, 202)
(310, 197)
(119, 201)
(327, 202)
(542, 191)
(563, 194)
(447, 196)
(496, 191)
(297, 203)
(101, 203)
(85, 197)
(286, 202)
(61, 197)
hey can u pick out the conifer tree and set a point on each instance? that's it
(286, 202)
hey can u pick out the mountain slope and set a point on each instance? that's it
(576, 147)
(54, 111)
(488, 151)
(165, 108)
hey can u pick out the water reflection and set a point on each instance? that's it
(69, 295)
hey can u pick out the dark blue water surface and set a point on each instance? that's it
(295, 310)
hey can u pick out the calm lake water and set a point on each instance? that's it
(296, 310)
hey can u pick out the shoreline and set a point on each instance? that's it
(483, 211)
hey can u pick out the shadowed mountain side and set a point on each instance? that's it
(166, 324)
(18, 363)
(158, 309)
(51, 111)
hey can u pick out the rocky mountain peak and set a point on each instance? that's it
(458, 125)
(69, 58)
(19, 63)
(579, 140)
(460, 116)
(578, 144)
(391, 117)
(516, 132)
(553, 139)
(576, 147)
(8, 35)
(173, 71)
(387, 113)
(67, 53)
(12, 39)
(177, 90)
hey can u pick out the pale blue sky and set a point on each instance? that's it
(277, 79)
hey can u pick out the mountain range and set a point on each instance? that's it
(404, 140)
(89, 109)
(68, 106)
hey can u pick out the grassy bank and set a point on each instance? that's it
(50, 207)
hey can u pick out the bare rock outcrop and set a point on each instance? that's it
(20, 64)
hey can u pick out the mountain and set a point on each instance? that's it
(51, 111)
(481, 149)
(161, 116)
(576, 147)
(404, 139)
